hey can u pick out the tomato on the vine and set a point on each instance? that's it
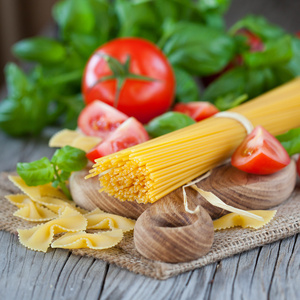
(132, 75)
(196, 110)
(260, 153)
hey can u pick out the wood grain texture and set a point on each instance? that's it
(246, 191)
(166, 232)
(85, 194)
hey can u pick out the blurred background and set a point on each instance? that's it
(25, 18)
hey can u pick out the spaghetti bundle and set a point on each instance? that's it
(149, 171)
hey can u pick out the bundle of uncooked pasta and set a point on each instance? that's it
(149, 171)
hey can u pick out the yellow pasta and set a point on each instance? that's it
(74, 138)
(97, 241)
(234, 219)
(149, 171)
(39, 237)
(29, 210)
(98, 219)
(45, 195)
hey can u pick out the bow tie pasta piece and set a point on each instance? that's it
(29, 210)
(234, 219)
(98, 219)
(39, 237)
(46, 195)
(95, 241)
(74, 138)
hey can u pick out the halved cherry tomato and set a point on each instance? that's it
(196, 110)
(100, 119)
(260, 153)
(298, 165)
(131, 74)
(128, 134)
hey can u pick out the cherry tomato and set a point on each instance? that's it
(260, 153)
(132, 75)
(298, 165)
(196, 110)
(100, 119)
(128, 134)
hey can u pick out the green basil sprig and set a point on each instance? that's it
(290, 141)
(167, 123)
(64, 161)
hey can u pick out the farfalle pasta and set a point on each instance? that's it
(45, 195)
(39, 237)
(234, 219)
(97, 219)
(97, 241)
(30, 210)
(74, 138)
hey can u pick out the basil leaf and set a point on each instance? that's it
(225, 90)
(217, 6)
(290, 141)
(276, 52)
(294, 63)
(187, 90)
(142, 18)
(21, 117)
(36, 173)
(74, 16)
(259, 26)
(168, 122)
(17, 83)
(40, 49)
(198, 49)
(69, 159)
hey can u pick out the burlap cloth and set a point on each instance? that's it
(227, 242)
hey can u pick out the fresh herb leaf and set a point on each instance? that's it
(16, 81)
(40, 49)
(259, 26)
(290, 141)
(64, 161)
(168, 122)
(187, 89)
(69, 159)
(197, 49)
(37, 172)
(276, 52)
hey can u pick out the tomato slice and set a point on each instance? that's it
(128, 134)
(100, 119)
(260, 153)
(196, 110)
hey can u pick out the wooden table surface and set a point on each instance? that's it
(268, 272)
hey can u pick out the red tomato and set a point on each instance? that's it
(128, 134)
(260, 153)
(143, 99)
(298, 165)
(196, 110)
(100, 119)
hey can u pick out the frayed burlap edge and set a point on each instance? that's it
(227, 242)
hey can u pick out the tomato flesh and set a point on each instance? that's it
(142, 99)
(260, 153)
(128, 134)
(100, 119)
(196, 110)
